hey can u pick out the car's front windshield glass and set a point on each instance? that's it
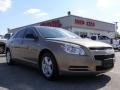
(56, 33)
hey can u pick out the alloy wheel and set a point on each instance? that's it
(47, 66)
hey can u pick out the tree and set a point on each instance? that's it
(117, 35)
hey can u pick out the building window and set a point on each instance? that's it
(94, 34)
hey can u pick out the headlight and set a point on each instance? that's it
(73, 49)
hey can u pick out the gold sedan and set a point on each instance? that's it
(57, 51)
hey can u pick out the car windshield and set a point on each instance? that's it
(56, 33)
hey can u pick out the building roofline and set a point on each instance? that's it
(39, 22)
(64, 17)
(93, 19)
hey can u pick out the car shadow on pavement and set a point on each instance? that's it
(85, 82)
(21, 77)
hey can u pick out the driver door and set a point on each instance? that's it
(30, 45)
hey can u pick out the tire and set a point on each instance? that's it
(48, 66)
(9, 60)
(2, 49)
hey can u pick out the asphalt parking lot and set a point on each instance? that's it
(20, 77)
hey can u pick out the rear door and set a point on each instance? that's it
(17, 44)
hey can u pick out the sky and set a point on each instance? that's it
(16, 13)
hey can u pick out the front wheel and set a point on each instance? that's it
(9, 58)
(48, 66)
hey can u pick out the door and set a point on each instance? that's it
(31, 43)
(16, 44)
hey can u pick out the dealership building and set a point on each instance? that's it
(83, 27)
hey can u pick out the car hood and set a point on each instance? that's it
(83, 42)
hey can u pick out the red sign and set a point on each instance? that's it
(80, 22)
(83, 22)
(55, 23)
(90, 23)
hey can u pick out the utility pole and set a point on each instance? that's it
(116, 25)
(116, 28)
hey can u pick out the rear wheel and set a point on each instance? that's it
(48, 66)
(9, 58)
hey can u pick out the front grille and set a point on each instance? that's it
(100, 48)
(103, 57)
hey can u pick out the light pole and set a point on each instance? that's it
(116, 28)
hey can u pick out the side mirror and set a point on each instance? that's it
(36, 38)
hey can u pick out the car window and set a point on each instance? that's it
(83, 34)
(30, 34)
(103, 38)
(93, 37)
(19, 34)
(56, 33)
(106, 37)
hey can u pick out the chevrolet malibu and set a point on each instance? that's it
(57, 51)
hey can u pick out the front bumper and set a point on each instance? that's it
(96, 62)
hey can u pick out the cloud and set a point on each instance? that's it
(80, 12)
(84, 13)
(36, 13)
(107, 4)
(5, 5)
